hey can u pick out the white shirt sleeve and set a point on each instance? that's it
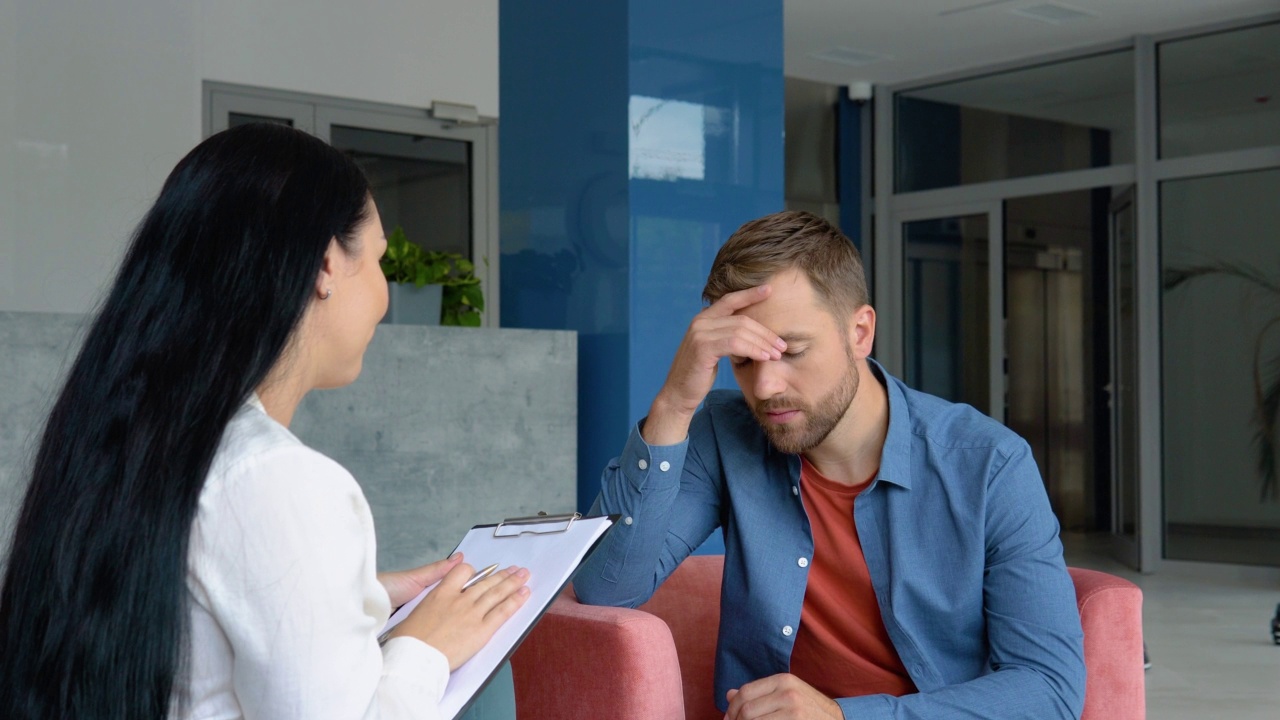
(283, 559)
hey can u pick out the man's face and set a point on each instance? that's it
(801, 398)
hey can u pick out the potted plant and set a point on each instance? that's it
(430, 287)
(1266, 369)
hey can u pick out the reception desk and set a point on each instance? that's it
(446, 427)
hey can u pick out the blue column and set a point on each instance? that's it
(634, 137)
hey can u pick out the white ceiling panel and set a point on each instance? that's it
(890, 41)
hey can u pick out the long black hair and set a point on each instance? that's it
(93, 611)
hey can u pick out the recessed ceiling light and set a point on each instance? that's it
(971, 8)
(1052, 13)
(849, 56)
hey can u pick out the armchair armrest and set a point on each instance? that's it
(1111, 615)
(583, 662)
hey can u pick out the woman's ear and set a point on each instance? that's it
(328, 270)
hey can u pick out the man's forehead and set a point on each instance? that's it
(793, 310)
(793, 324)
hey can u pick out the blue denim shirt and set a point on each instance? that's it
(956, 529)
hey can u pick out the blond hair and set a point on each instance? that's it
(766, 246)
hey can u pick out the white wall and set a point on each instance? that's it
(98, 101)
(8, 149)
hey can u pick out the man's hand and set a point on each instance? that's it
(716, 332)
(781, 697)
(405, 585)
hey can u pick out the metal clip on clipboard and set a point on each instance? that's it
(541, 518)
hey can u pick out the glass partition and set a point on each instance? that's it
(1179, 279)
(1050, 303)
(947, 308)
(1220, 92)
(1070, 115)
(1221, 359)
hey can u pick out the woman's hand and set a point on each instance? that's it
(405, 585)
(459, 622)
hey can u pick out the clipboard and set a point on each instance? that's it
(553, 547)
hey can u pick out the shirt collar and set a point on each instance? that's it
(895, 457)
(255, 401)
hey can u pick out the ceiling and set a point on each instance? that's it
(891, 41)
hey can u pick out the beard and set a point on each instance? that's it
(816, 421)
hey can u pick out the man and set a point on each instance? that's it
(887, 554)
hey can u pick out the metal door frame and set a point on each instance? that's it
(1127, 550)
(1146, 172)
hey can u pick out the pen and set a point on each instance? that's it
(480, 575)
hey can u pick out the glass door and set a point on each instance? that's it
(431, 177)
(953, 304)
(1055, 270)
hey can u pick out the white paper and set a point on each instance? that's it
(551, 558)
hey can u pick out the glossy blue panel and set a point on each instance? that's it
(565, 260)
(634, 138)
(706, 156)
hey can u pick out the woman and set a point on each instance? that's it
(179, 553)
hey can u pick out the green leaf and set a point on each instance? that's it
(472, 296)
(407, 262)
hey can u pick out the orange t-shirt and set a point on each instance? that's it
(842, 648)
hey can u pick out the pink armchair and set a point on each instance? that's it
(657, 663)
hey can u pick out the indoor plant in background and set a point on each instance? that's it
(430, 287)
(1266, 369)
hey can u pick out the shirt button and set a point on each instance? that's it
(664, 466)
(627, 521)
(795, 490)
(786, 630)
(644, 464)
(803, 562)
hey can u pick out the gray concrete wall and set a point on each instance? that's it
(35, 350)
(446, 427)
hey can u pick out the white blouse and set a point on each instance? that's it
(284, 595)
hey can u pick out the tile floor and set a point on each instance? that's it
(1207, 630)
